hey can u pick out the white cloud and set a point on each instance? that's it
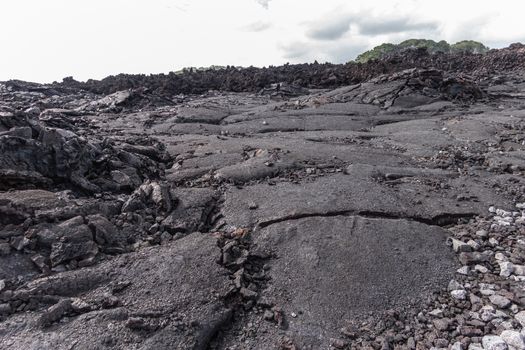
(258, 26)
(264, 3)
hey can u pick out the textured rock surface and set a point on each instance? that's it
(383, 209)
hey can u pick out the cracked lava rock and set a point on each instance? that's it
(382, 209)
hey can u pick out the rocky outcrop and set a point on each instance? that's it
(301, 75)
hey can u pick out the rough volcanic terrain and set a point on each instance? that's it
(359, 206)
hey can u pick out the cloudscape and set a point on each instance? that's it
(48, 40)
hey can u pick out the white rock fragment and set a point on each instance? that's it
(458, 246)
(460, 294)
(463, 270)
(456, 346)
(487, 313)
(500, 301)
(500, 257)
(475, 245)
(506, 268)
(436, 313)
(513, 338)
(481, 269)
(503, 213)
(482, 233)
(493, 342)
(520, 317)
(506, 221)
(455, 285)
(487, 292)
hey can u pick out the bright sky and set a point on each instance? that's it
(46, 40)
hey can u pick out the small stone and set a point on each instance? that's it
(436, 313)
(493, 241)
(338, 343)
(441, 343)
(40, 262)
(463, 270)
(475, 346)
(135, 323)
(482, 233)
(268, 315)
(350, 331)
(472, 258)
(487, 292)
(293, 314)
(456, 346)
(487, 313)
(500, 257)
(493, 342)
(506, 325)
(310, 171)
(475, 245)
(252, 206)
(122, 179)
(474, 299)
(19, 242)
(441, 324)
(459, 294)
(503, 213)
(519, 270)
(481, 268)
(500, 301)
(248, 294)
(2, 285)
(459, 246)
(506, 268)
(514, 339)
(470, 331)
(520, 317)
(454, 285)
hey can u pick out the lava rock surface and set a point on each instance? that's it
(359, 206)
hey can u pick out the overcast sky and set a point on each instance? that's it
(46, 40)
